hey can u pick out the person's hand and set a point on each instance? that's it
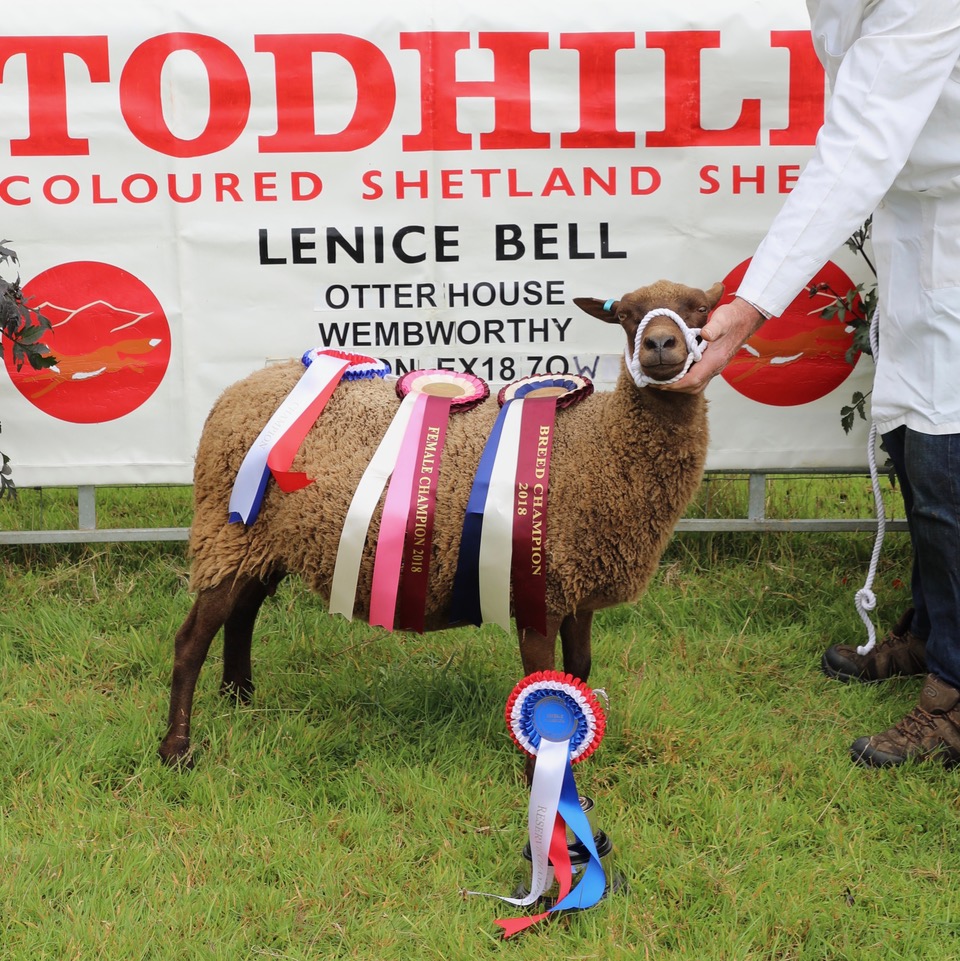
(727, 330)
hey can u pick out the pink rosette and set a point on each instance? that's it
(464, 391)
(401, 566)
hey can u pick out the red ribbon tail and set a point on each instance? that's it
(291, 480)
(560, 859)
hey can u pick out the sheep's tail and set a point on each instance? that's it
(865, 599)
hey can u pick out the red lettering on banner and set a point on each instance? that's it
(741, 176)
(142, 109)
(305, 185)
(598, 93)
(7, 197)
(440, 89)
(226, 185)
(264, 186)
(376, 92)
(806, 90)
(49, 101)
(683, 126)
(195, 187)
(51, 194)
(47, 90)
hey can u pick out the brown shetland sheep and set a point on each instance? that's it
(625, 464)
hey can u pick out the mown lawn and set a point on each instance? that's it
(372, 778)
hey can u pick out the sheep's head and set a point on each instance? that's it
(663, 349)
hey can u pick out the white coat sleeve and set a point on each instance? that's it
(886, 88)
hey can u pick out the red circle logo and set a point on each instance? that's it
(110, 337)
(799, 356)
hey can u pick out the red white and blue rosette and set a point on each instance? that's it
(557, 719)
(503, 544)
(565, 389)
(409, 456)
(273, 451)
(545, 704)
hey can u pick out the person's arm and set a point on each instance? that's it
(730, 326)
(887, 86)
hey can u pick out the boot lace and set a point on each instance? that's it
(916, 725)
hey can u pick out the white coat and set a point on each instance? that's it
(889, 145)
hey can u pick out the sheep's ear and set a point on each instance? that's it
(714, 294)
(605, 310)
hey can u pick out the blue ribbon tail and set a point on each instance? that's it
(237, 517)
(593, 883)
(465, 606)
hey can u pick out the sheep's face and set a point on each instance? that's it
(663, 349)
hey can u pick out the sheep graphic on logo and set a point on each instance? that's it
(111, 339)
(798, 357)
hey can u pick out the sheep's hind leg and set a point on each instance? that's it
(237, 681)
(575, 641)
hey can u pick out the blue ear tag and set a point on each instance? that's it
(553, 719)
(608, 304)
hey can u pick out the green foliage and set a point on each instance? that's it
(22, 328)
(855, 308)
(7, 487)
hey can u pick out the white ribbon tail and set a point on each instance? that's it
(496, 538)
(552, 761)
(343, 591)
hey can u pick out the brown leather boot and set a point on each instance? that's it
(899, 653)
(930, 730)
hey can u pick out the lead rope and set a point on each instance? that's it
(865, 599)
(695, 347)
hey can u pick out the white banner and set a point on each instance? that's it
(198, 190)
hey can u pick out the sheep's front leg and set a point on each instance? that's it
(538, 652)
(575, 642)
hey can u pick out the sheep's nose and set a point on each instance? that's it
(659, 342)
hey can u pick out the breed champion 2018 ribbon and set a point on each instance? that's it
(273, 451)
(409, 456)
(503, 543)
(557, 719)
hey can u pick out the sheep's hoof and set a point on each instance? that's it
(239, 691)
(177, 753)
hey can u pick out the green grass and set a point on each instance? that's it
(340, 815)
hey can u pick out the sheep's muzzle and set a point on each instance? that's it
(663, 349)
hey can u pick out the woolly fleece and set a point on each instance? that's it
(625, 464)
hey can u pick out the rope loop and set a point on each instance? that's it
(691, 335)
(865, 599)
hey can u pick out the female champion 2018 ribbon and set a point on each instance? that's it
(410, 456)
(504, 531)
(556, 718)
(277, 444)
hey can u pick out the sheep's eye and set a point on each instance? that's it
(701, 310)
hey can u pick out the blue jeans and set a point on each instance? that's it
(928, 468)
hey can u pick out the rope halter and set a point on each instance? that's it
(695, 347)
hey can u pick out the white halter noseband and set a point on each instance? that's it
(695, 348)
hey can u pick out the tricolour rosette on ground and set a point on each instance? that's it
(409, 456)
(277, 444)
(558, 720)
(505, 527)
